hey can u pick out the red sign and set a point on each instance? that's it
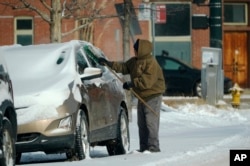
(161, 14)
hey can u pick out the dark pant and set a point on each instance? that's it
(148, 123)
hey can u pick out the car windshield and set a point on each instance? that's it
(92, 54)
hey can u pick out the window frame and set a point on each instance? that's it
(23, 31)
(237, 23)
(186, 38)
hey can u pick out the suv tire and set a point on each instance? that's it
(122, 143)
(197, 89)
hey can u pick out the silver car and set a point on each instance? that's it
(67, 102)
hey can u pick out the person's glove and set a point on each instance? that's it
(127, 85)
(102, 61)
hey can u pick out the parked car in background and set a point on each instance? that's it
(183, 79)
(67, 102)
(8, 121)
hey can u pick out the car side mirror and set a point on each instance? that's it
(91, 73)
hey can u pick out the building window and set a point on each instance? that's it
(24, 30)
(235, 14)
(177, 21)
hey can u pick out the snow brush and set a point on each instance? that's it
(91, 54)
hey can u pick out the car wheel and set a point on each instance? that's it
(8, 147)
(122, 143)
(82, 138)
(197, 89)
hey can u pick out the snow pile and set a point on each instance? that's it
(190, 135)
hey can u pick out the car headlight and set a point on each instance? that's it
(65, 123)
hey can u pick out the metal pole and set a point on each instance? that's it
(216, 42)
(216, 23)
(153, 9)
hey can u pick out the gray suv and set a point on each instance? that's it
(8, 122)
(65, 101)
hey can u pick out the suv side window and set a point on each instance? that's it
(171, 65)
(92, 55)
(162, 62)
(93, 63)
(81, 62)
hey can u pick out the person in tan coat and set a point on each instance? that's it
(148, 82)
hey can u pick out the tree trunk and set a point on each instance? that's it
(56, 22)
(86, 33)
(126, 35)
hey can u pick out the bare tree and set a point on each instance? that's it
(54, 11)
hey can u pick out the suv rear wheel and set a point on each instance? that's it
(9, 150)
(197, 89)
(122, 143)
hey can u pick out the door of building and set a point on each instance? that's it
(235, 57)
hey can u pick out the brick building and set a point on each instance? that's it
(172, 31)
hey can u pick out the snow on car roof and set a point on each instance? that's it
(38, 66)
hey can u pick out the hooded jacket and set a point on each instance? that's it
(145, 73)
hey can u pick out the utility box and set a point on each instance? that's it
(212, 76)
(211, 82)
